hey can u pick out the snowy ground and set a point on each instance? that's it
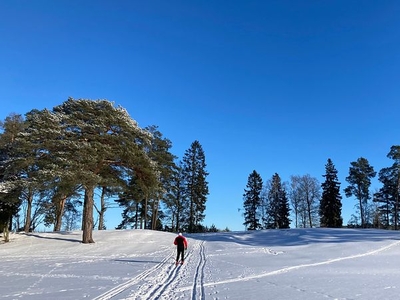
(139, 264)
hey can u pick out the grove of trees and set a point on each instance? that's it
(313, 204)
(53, 162)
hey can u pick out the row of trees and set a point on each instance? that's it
(319, 204)
(52, 162)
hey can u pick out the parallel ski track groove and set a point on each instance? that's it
(124, 286)
(198, 282)
(156, 291)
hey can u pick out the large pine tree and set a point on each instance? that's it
(9, 193)
(386, 197)
(252, 201)
(195, 185)
(394, 154)
(359, 179)
(330, 208)
(93, 143)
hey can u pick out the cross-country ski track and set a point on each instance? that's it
(162, 280)
(301, 264)
(167, 281)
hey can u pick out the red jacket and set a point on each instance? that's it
(181, 242)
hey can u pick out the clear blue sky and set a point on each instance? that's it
(272, 86)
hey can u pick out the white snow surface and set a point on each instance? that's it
(316, 263)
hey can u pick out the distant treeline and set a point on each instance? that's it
(315, 204)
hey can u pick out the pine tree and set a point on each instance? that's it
(394, 154)
(9, 192)
(330, 208)
(359, 179)
(175, 201)
(96, 137)
(252, 201)
(278, 210)
(195, 185)
(385, 198)
(159, 153)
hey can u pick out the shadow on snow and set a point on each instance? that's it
(298, 237)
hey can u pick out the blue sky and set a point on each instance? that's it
(272, 86)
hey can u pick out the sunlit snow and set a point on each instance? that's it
(139, 264)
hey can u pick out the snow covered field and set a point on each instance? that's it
(139, 264)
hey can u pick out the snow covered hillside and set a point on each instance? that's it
(139, 264)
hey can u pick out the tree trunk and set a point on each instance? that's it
(145, 212)
(59, 213)
(10, 223)
(154, 215)
(137, 215)
(28, 213)
(309, 211)
(6, 232)
(103, 209)
(87, 218)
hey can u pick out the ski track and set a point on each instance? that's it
(198, 281)
(288, 269)
(162, 280)
(126, 285)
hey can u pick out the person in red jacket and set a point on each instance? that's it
(181, 245)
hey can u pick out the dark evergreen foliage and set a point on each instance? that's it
(388, 196)
(174, 201)
(10, 190)
(330, 205)
(359, 179)
(278, 210)
(195, 186)
(252, 201)
(394, 154)
(385, 198)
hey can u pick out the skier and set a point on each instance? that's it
(181, 245)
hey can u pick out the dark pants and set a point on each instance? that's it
(181, 253)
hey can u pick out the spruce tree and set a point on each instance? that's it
(278, 205)
(195, 185)
(330, 208)
(252, 201)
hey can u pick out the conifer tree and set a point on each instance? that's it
(87, 138)
(330, 208)
(174, 202)
(359, 179)
(252, 201)
(386, 196)
(9, 192)
(278, 205)
(195, 185)
(159, 152)
(394, 154)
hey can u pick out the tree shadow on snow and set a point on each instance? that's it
(298, 237)
(138, 261)
(75, 240)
